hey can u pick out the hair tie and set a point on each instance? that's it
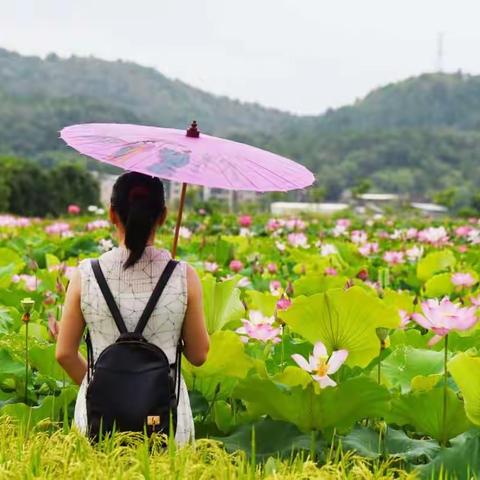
(137, 192)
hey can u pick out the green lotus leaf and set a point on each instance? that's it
(11, 257)
(424, 412)
(435, 262)
(50, 408)
(461, 461)
(410, 337)
(10, 367)
(425, 382)
(465, 371)
(261, 301)
(401, 300)
(272, 439)
(226, 363)
(42, 358)
(342, 319)
(339, 407)
(6, 274)
(439, 285)
(395, 443)
(406, 363)
(316, 283)
(222, 302)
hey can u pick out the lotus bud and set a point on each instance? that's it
(289, 289)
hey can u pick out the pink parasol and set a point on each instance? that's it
(187, 157)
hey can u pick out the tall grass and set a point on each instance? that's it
(55, 454)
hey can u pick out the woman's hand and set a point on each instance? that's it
(72, 325)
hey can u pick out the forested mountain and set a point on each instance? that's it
(418, 136)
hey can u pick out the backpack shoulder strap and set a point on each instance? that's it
(107, 294)
(157, 291)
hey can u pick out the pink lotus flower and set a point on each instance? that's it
(31, 282)
(259, 327)
(295, 224)
(368, 249)
(359, 237)
(411, 233)
(463, 280)
(462, 249)
(320, 366)
(339, 230)
(475, 300)
(297, 240)
(236, 266)
(328, 249)
(245, 221)
(283, 303)
(57, 228)
(463, 231)
(394, 258)
(11, 221)
(281, 247)
(272, 268)
(73, 209)
(211, 267)
(330, 271)
(443, 316)
(275, 287)
(344, 222)
(435, 236)
(273, 224)
(184, 232)
(405, 318)
(97, 224)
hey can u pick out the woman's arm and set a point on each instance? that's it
(72, 325)
(194, 331)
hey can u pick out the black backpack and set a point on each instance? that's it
(131, 386)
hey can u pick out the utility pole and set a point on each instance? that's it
(440, 52)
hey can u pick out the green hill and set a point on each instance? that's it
(417, 136)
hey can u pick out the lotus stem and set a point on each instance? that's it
(27, 306)
(445, 381)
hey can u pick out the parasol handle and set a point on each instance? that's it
(179, 219)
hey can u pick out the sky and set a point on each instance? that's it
(302, 56)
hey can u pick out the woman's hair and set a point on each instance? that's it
(138, 200)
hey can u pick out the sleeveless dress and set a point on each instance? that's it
(131, 289)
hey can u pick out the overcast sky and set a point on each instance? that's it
(298, 55)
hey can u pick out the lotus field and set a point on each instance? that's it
(327, 334)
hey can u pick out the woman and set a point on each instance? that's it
(132, 269)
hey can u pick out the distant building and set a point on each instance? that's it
(430, 208)
(285, 208)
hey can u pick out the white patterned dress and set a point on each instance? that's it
(131, 289)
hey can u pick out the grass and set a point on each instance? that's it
(48, 453)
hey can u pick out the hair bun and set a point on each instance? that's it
(138, 191)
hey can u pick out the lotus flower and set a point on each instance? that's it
(463, 230)
(236, 266)
(57, 228)
(435, 236)
(295, 224)
(184, 232)
(73, 209)
(272, 268)
(343, 222)
(297, 240)
(405, 318)
(245, 221)
(259, 327)
(359, 237)
(463, 280)
(280, 246)
(283, 303)
(414, 253)
(328, 249)
(443, 316)
(11, 221)
(275, 287)
(211, 267)
(394, 258)
(31, 282)
(368, 249)
(273, 224)
(330, 271)
(97, 224)
(320, 366)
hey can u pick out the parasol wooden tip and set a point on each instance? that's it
(193, 131)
